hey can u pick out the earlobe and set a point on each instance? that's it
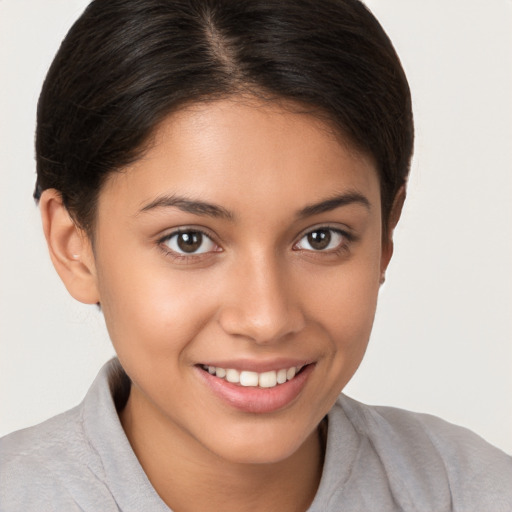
(392, 221)
(70, 249)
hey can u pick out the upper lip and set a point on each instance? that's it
(256, 365)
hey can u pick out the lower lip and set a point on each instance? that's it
(256, 399)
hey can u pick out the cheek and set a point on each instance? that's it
(151, 309)
(346, 300)
(346, 314)
(344, 309)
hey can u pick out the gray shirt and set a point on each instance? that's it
(377, 459)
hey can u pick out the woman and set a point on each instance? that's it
(223, 180)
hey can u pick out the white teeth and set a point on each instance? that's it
(281, 376)
(268, 379)
(233, 376)
(247, 378)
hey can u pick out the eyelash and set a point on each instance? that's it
(347, 239)
(183, 257)
(344, 245)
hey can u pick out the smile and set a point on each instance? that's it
(247, 378)
(259, 392)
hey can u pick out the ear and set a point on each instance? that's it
(392, 221)
(70, 249)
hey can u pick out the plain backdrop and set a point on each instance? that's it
(442, 341)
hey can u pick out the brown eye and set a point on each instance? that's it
(190, 242)
(322, 239)
(319, 240)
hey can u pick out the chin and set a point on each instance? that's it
(261, 445)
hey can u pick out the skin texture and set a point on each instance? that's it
(257, 294)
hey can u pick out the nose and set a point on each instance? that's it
(261, 303)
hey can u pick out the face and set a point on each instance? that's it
(238, 265)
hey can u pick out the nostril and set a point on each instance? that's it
(265, 326)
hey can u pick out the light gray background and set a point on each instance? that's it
(442, 341)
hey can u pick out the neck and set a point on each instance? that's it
(206, 481)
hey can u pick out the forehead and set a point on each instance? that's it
(241, 153)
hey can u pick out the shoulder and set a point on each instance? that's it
(42, 445)
(79, 460)
(32, 461)
(46, 466)
(45, 431)
(424, 449)
(56, 465)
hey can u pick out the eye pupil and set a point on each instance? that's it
(190, 241)
(319, 239)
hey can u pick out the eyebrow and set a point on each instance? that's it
(216, 211)
(333, 203)
(188, 205)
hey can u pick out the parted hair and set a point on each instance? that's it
(127, 64)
